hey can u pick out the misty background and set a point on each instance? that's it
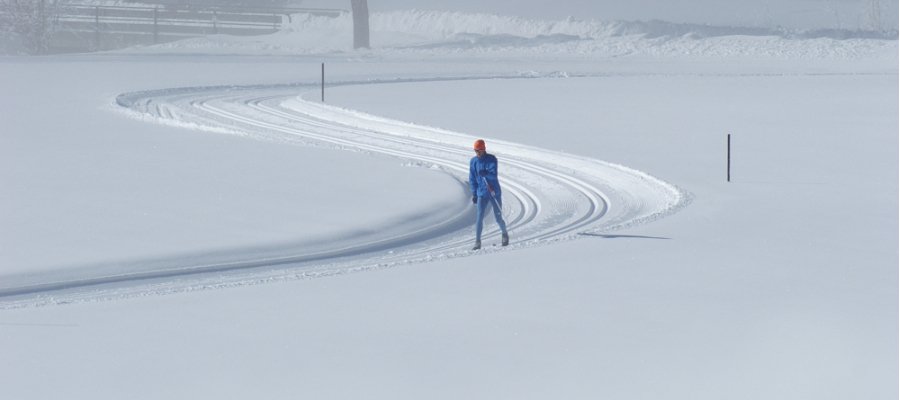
(794, 14)
(64, 26)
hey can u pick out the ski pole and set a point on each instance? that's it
(491, 192)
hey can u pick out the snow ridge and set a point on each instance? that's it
(449, 24)
(432, 34)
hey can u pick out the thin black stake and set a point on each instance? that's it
(729, 158)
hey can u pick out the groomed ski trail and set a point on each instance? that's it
(549, 196)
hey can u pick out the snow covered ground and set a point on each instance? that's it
(635, 271)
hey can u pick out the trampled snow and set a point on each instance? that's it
(216, 154)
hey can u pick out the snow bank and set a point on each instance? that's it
(435, 33)
(453, 23)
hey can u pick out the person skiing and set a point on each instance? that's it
(485, 191)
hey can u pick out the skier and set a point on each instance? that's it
(485, 190)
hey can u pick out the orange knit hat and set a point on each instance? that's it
(479, 144)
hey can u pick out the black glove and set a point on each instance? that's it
(474, 199)
(482, 172)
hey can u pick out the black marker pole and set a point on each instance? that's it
(728, 172)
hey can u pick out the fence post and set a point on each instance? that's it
(323, 82)
(42, 32)
(215, 23)
(156, 25)
(97, 28)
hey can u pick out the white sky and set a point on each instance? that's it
(806, 14)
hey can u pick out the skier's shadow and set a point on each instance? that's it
(605, 236)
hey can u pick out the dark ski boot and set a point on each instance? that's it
(477, 245)
(505, 240)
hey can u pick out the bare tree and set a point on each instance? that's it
(873, 15)
(360, 10)
(30, 23)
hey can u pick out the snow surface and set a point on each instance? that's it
(636, 270)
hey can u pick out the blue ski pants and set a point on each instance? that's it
(483, 203)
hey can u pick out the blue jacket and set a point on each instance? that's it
(483, 169)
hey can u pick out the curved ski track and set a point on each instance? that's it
(549, 196)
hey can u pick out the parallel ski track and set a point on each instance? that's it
(535, 216)
(591, 195)
(595, 198)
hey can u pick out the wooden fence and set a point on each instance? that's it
(80, 28)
